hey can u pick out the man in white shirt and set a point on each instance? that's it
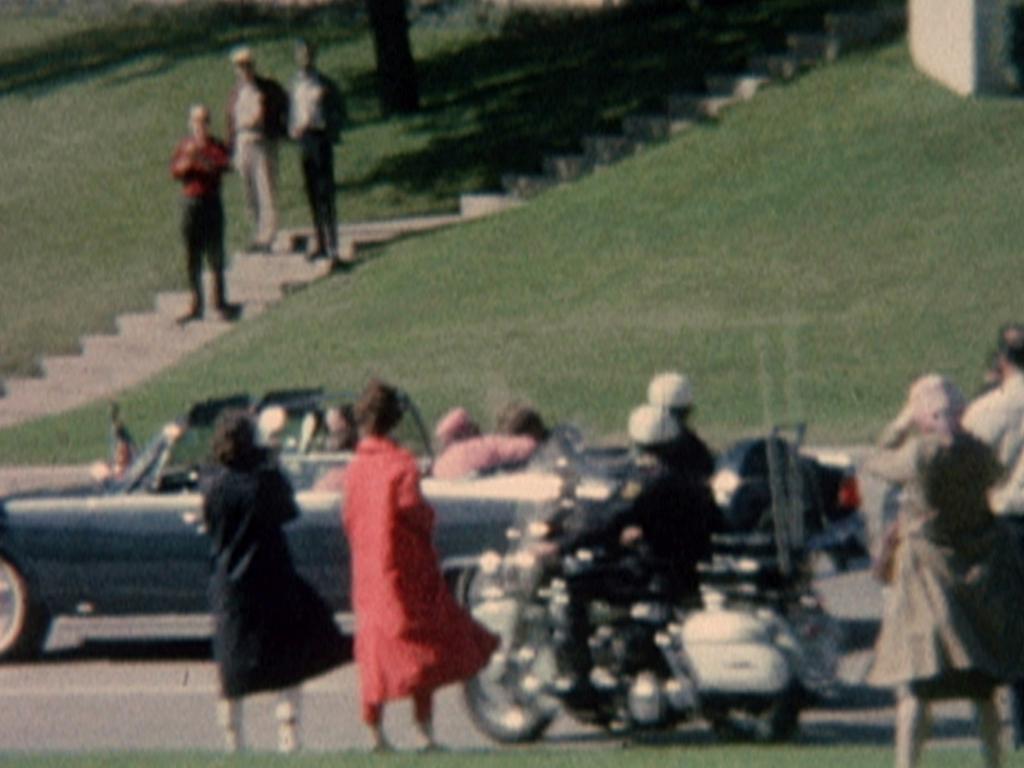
(257, 108)
(315, 116)
(997, 419)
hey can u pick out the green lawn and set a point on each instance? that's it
(804, 259)
(699, 757)
(91, 106)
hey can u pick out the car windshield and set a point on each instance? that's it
(300, 424)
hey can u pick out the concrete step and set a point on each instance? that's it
(61, 366)
(605, 149)
(744, 86)
(525, 186)
(650, 128)
(102, 350)
(173, 303)
(248, 291)
(777, 66)
(155, 337)
(116, 368)
(46, 395)
(567, 168)
(699, 106)
(480, 204)
(274, 269)
(813, 48)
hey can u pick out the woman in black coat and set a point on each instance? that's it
(272, 631)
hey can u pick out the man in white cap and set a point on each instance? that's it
(673, 392)
(257, 119)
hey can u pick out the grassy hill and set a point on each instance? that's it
(804, 259)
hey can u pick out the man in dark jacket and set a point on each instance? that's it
(670, 520)
(315, 117)
(271, 629)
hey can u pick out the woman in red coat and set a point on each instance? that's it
(411, 635)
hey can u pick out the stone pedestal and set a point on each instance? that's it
(964, 44)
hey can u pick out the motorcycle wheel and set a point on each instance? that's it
(777, 723)
(497, 703)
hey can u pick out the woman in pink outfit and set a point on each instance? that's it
(411, 635)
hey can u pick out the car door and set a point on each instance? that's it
(148, 553)
(473, 515)
(319, 548)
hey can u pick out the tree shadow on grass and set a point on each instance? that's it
(505, 102)
(170, 33)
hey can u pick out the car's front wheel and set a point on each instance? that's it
(24, 622)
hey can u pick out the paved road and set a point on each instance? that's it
(106, 684)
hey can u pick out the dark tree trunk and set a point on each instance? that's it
(397, 86)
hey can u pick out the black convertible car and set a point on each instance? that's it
(135, 545)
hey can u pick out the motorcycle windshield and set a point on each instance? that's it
(578, 487)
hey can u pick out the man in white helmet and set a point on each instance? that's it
(673, 513)
(687, 453)
(669, 521)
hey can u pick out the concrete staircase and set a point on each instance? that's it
(145, 343)
(841, 33)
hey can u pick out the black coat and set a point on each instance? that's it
(271, 630)
(676, 514)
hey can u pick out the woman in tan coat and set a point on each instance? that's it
(952, 627)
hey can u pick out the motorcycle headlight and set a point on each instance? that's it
(594, 490)
(724, 485)
(539, 530)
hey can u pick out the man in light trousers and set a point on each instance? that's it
(253, 134)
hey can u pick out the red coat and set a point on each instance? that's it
(411, 635)
(200, 166)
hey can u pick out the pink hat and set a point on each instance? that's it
(455, 425)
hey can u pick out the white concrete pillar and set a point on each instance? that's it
(964, 44)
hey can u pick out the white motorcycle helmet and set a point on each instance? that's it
(651, 426)
(671, 391)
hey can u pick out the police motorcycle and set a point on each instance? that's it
(593, 631)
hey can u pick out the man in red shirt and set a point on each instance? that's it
(198, 163)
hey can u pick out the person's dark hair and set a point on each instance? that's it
(302, 43)
(379, 409)
(1011, 344)
(517, 419)
(234, 440)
